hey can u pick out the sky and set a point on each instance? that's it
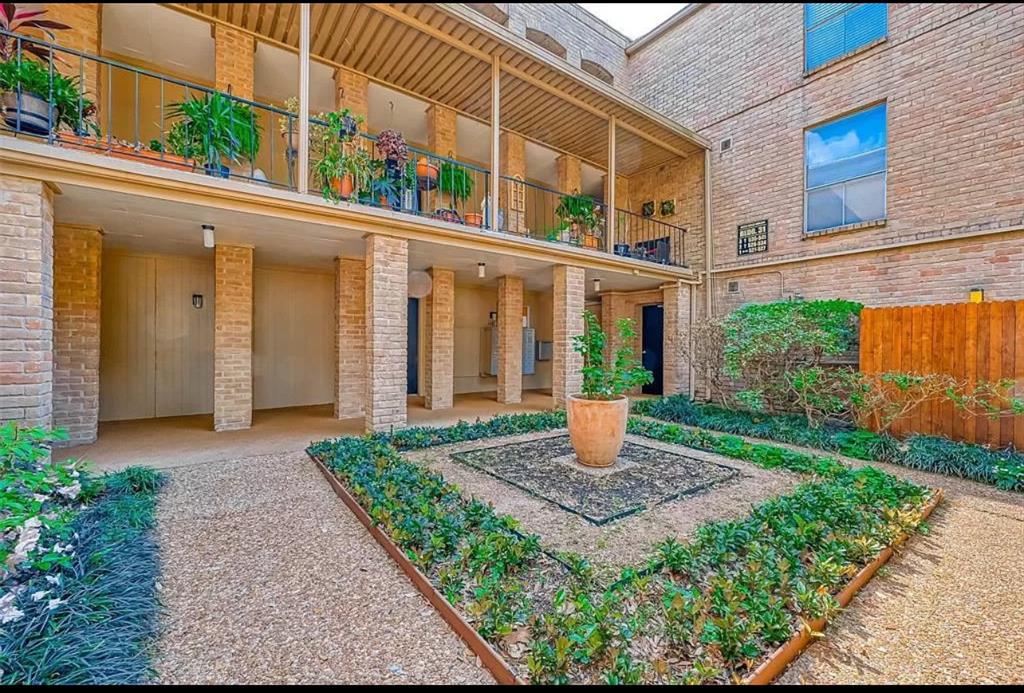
(634, 19)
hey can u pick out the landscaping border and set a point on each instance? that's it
(785, 655)
(488, 656)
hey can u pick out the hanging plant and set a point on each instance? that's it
(391, 145)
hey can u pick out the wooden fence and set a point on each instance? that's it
(970, 341)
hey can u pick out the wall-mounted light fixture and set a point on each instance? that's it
(481, 269)
(208, 240)
(597, 285)
(197, 301)
(977, 296)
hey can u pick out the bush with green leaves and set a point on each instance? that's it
(214, 128)
(698, 612)
(72, 108)
(78, 602)
(776, 350)
(604, 380)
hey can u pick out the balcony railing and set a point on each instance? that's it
(644, 238)
(173, 123)
(528, 209)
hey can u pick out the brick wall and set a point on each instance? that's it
(350, 337)
(951, 75)
(232, 341)
(77, 252)
(675, 369)
(439, 338)
(512, 157)
(85, 20)
(568, 173)
(567, 303)
(510, 340)
(26, 297)
(387, 262)
(352, 92)
(234, 60)
(441, 130)
(681, 180)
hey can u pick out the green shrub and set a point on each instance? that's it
(1004, 468)
(89, 617)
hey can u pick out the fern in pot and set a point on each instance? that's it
(597, 416)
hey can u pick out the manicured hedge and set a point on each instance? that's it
(91, 619)
(1003, 468)
(705, 611)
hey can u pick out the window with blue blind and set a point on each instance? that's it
(845, 163)
(833, 29)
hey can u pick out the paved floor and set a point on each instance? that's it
(190, 440)
(268, 578)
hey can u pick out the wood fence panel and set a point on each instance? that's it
(972, 342)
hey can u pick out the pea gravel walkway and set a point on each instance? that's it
(268, 578)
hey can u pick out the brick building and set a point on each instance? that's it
(871, 152)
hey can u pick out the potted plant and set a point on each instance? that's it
(426, 173)
(213, 128)
(578, 211)
(392, 147)
(37, 99)
(456, 182)
(597, 416)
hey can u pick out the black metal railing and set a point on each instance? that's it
(170, 122)
(644, 238)
(532, 210)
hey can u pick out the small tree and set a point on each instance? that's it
(705, 351)
(601, 380)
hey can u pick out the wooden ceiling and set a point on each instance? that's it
(443, 53)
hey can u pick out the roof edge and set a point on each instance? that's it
(670, 23)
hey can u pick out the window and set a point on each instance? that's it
(845, 170)
(833, 29)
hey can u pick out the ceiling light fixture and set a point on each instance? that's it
(208, 240)
(481, 269)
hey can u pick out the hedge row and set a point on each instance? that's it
(1003, 468)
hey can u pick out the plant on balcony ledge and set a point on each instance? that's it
(457, 182)
(579, 212)
(214, 128)
(391, 145)
(36, 97)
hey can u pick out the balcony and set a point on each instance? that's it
(163, 120)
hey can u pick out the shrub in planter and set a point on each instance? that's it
(597, 416)
(214, 128)
(29, 89)
(456, 182)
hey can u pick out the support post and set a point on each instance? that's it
(610, 202)
(302, 175)
(492, 207)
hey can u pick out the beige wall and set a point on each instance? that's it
(293, 338)
(473, 305)
(156, 350)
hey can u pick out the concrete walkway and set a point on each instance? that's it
(267, 578)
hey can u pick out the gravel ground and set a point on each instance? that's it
(623, 542)
(269, 579)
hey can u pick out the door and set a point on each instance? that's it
(652, 340)
(413, 360)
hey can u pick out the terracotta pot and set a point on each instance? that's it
(474, 219)
(426, 174)
(343, 186)
(597, 429)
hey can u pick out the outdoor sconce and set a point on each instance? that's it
(197, 301)
(597, 286)
(208, 241)
(481, 269)
(977, 295)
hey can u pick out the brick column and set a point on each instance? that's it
(441, 130)
(440, 341)
(387, 286)
(77, 251)
(511, 197)
(232, 342)
(350, 337)
(569, 172)
(675, 369)
(85, 35)
(510, 340)
(26, 302)
(567, 303)
(234, 60)
(351, 91)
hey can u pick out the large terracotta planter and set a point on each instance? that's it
(597, 429)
